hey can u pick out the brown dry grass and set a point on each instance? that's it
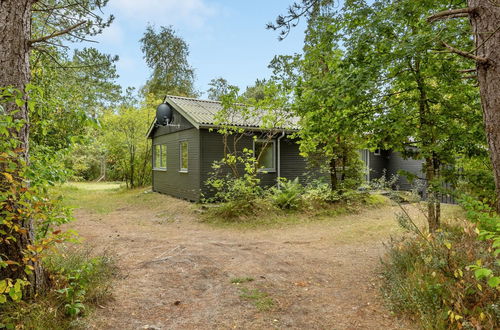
(177, 272)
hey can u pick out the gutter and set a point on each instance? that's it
(279, 157)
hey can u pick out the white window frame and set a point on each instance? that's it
(273, 142)
(377, 152)
(161, 168)
(181, 169)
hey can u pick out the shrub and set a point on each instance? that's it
(319, 194)
(288, 196)
(430, 278)
(79, 281)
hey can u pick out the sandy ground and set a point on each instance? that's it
(176, 272)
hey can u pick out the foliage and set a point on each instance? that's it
(127, 150)
(446, 279)
(476, 178)
(288, 194)
(82, 278)
(235, 180)
(239, 193)
(81, 281)
(22, 203)
(167, 55)
(218, 88)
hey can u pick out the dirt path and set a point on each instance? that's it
(176, 273)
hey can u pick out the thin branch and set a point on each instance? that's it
(56, 34)
(486, 40)
(465, 54)
(453, 13)
(467, 71)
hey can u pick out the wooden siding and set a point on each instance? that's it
(293, 165)
(171, 181)
(179, 124)
(212, 149)
(393, 162)
(397, 163)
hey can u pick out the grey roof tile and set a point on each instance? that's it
(204, 113)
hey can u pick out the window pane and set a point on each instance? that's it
(184, 156)
(164, 156)
(266, 153)
(157, 156)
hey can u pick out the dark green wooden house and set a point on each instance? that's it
(185, 149)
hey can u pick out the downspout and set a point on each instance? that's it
(279, 157)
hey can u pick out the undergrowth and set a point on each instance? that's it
(445, 280)
(79, 282)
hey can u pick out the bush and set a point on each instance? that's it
(430, 278)
(288, 196)
(79, 282)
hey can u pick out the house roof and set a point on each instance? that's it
(203, 114)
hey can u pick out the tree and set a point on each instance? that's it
(167, 56)
(484, 17)
(257, 91)
(57, 19)
(407, 97)
(218, 88)
(320, 101)
(128, 153)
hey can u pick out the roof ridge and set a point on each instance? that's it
(194, 99)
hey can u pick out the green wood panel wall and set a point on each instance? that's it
(171, 181)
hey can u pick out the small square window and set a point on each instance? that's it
(264, 152)
(184, 156)
(377, 152)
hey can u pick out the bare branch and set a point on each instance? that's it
(467, 71)
(56, 33)
(453, 13)
(465, 54)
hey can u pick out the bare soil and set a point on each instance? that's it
(176, 272)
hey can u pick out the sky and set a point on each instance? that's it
(226, 38)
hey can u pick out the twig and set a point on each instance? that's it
(56, 33)
(453, 13)
(465, 54)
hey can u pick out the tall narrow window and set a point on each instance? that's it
(160, 157)
(265, 153)
(184, 156)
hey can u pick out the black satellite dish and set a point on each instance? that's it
(164, 114)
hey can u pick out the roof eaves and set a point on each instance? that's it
(250, 128)
(181, 111)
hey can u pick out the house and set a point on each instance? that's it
(186, 145)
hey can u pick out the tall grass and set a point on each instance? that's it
(79, 282)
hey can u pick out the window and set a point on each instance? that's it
(266, 151)
(377, 152)
(184, 156)
(160, 157)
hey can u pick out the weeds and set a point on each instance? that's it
(260, 299)
(240, 280)
(431, 277)
(79, 282)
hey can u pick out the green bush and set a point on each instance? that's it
(288, 196)
(79, 281)
(430, 279)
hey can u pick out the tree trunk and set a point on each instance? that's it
(15, 30)
(485, 22)
(333, 174)
(426, 135)
(433, 204)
